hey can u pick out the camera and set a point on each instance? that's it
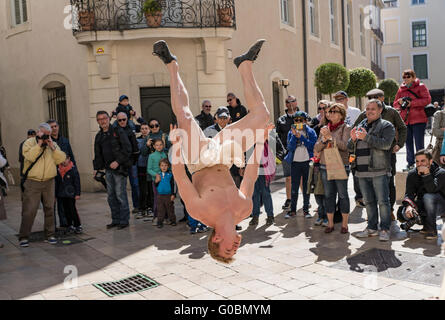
(406, 101)
(44, 137)
(100, 177)
(407, 223)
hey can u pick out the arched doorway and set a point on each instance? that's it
(156, 103)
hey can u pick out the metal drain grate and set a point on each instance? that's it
(136, 283)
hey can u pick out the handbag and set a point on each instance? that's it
(334, 163)
(281, 151)
(429, 110)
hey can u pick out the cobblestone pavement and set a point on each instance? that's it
(292, 259)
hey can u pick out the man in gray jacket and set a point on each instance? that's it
(370, 145)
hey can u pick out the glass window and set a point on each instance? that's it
(420, 62)
(362, 35)
(416, 2)
(333, 19)
(391, 3)
(313, 14)
(285, 11)
(19, 12)
(419, 34)
(350, 26)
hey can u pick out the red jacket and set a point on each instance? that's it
(417, 113)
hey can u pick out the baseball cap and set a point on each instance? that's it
(301, 114)
(341, 93)
(376, 92)
(122, 97)
(222, 112)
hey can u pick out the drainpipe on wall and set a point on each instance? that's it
(306, 101)
(343, 32)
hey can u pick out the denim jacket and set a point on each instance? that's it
(379, 138)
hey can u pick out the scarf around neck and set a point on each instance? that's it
(333, 127)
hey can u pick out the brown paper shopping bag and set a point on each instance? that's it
(334, 164)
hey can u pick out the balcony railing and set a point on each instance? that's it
(377, 70)
(378, 32)
(120, 15)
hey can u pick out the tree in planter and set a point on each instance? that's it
(390, 87)
(153, 12)
(330, 78)
(362, 80)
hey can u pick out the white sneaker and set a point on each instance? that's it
(367, 233)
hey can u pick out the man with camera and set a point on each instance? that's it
(112, 153)
(410, 101)
(370, 148)
(424, 196)
(42, 155)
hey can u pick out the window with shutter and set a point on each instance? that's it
(19, 12)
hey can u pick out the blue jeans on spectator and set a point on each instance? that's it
(299, 170)
(358, 192)
(434, 204)
(133, 176)
(193, 224)
(331, 189)
(376, 193)
(262, 191)
(321, 202)
(117, 197)
(415, 133)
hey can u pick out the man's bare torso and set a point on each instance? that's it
(219, 196)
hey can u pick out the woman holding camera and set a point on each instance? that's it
(410, 101)
(335, 131)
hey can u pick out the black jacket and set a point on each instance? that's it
(125, 147)
(283, 127)
(204, 120)
(69, 185)
(103, 150)
(417, 186)
(238, 112)
(65, 146)
(125, 109)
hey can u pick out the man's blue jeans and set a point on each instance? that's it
(299, 170)
(117, 197)
(434, 205)
(133, 176)
(415, 133)
(376, 193)
(262, 191)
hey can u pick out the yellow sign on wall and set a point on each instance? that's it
(100, 50)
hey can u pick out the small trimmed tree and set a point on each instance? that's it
(361, 81)
(330, 78)
(390, 87)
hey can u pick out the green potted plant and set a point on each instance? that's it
(153, 12)
(225, 13)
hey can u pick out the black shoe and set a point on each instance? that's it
(112, 225)
(270, 221)
(173, 224)
(431, 235)
(250, 55)
(161, 50)
(359, 203)
(238, 228)
(183, 220)
(160, 225)
(286, 205)
(122, 226)
(254, 221)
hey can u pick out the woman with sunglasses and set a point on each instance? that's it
(410, 101)
(317, 122)
(156, 133)
(336, 131)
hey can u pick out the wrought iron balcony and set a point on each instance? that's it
(120, 15)
(377, 70)
(378, 32)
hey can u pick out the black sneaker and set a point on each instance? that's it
(238, 227)
(160, 49)
(160, 225)
(173, 224)
(112, 225)
(269, 221)
(359, 203)
(122, 226)
(78, 230)
(431, 235)
(286, 204)
(250, 55)
(254, 221)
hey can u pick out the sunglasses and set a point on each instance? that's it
(299, 120)
(321, 108)
(373, 97)
(207, 106)
(121, 120)
(334, 111)
(291, 101)
(406, 77)
(228, 100)
(154, 126)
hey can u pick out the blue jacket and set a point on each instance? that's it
(309, 143)
(145, 152)
(69, 186)
(167, 184)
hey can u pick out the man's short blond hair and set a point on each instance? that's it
(214, 250)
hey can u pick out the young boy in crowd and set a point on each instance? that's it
(165, 186)
(145, 182)
(68, 190)
(153, 169)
